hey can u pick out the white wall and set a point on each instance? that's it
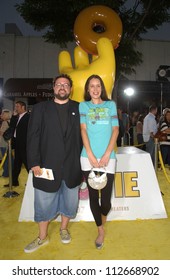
(28, 57)
(155, 53)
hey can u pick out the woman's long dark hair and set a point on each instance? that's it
(87, 96)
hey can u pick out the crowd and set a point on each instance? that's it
(140, 130)
(16, 124)
(73, 142)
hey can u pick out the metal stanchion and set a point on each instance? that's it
(156, 155)
(122, 141)
(10, 193)
(128, 138)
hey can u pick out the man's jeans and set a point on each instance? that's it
(150, 148)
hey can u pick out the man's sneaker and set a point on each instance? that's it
(65, 236)
(36, 244)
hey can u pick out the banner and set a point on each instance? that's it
(39, 88)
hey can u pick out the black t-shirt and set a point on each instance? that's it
(63, 116)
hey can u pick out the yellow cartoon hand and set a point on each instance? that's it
(102, 65)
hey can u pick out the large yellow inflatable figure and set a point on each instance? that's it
(97, 31)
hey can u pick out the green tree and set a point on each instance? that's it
(138, 16)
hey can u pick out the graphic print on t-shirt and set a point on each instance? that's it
(101, 115)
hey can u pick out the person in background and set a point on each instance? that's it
(149, 130)
(139, 132)
(5, 118)
(19, 122)
(120, 138)
(165, 145)
(162, 116)
(126, 124)
(99, 130)
(54, 142)
(132, 129)
(134, 118)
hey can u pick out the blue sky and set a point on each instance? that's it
(8, 14)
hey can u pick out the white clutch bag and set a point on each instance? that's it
(97, 181)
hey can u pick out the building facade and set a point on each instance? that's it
(28, 64)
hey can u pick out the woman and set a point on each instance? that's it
(139, 131)
(165, 145)
(5, 117)
(99, 130)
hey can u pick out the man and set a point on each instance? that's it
(5, 120)
(121, 127)
(19, 123)
(149, 130)
(54, 142)
(125, 121)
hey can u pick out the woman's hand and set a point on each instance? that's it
(104, 160)
(93, 161)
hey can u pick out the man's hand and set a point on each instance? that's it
(102, 65)
(37, 170)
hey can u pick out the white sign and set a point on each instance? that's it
(136, 193)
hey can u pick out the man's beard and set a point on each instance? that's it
(59, 97)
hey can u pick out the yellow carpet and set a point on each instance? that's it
(125, 240)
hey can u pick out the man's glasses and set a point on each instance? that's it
(62, 85)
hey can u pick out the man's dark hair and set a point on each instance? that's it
(152, 107)
(63, 76)
(21, 103)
